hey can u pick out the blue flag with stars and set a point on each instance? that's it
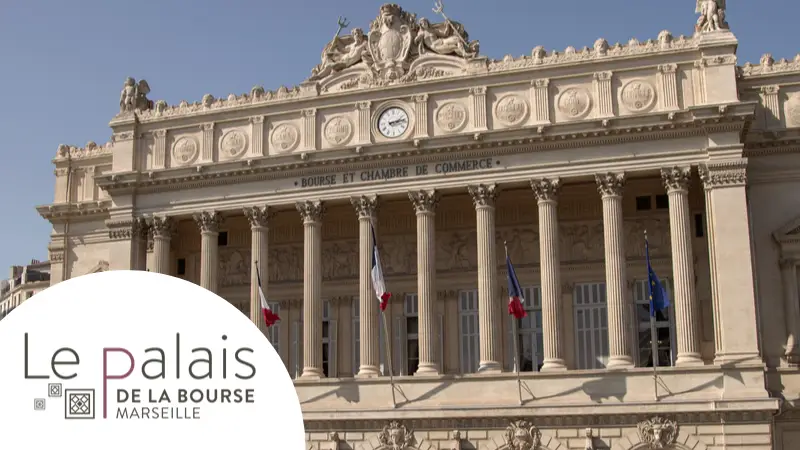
(659, 300)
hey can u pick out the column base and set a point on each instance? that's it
(312, 373)
(689, 360)
(427, 370)
(553, 365)
(368, 372)
(490, 367)
(620, 363)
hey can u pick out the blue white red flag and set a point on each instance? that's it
(377, 275)
(515, 298)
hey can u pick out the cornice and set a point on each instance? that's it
(696, 121)
(768, 67)
(59, 212)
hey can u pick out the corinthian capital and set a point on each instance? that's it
(365, 206)
(483, 194)
(546, 190)
(208, 221)
(311, 211)
(161, 227)
(258, 216)
(424, 201)
(610, 184)
(676, 178)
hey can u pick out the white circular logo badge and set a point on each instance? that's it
(132, 360)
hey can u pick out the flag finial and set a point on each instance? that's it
(505, 247)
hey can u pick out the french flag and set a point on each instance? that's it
(515, 298)
(269, 317)
(377, 275)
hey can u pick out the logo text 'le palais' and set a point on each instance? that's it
(157, 365)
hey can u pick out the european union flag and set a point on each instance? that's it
(659, 300)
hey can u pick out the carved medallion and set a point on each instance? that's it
(522, 435)
(451, 117)
(658, 432)
(185, 150)
(285, 137)
(637, 95)
(233, 143)
(338, 130)
(793, 111)
(574, 102)
(395, 436)
(511, 110)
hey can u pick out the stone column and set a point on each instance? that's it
(369, 326)
(610, 186)
(425, 203)
(676, 181)
(140, 233)
(161, 228)
(208, 222)
(312, 212)
(489, 323)
(259, 249)
(791, 305)
(547, 195)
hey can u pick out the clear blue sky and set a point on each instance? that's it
(63, 63)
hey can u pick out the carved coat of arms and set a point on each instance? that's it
(390, 38)
(395, 436)
(522, 435)
(658, 432)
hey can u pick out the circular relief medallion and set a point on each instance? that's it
(233, 143)
(338, 130)
(285, 137)
(638, 95)
(511, 110)
(574, 102)
(451, 117)
(185, 150)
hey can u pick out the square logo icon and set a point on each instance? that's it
(79, 404)
(54, 390)
(39, 404)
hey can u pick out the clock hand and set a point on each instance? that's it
(395, 122)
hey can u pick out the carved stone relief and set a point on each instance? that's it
(395, 436)
(574, 102)
(340, 259)
(456, 250)
(637, 95)
(657, 234)
(793, 111)
(522, 435)
(399, 254)
(581, 241)
(338, 130)
(511, 110)
(185, 151)
(286, 262)
(285, 137)
(233, 143)
(658, 432)
(234, 267)
(523, 245)
(451, 117)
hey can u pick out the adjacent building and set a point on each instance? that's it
(407, 136)
(23, 282)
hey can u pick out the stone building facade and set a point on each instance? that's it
(22, 284)
(562, 159)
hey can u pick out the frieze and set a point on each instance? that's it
(234, 267)
(574, 102)
(338, 130)
(511, 110)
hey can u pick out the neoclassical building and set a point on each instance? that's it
(564, 160)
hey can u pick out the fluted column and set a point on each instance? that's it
(161, 229)
(369, 337)
(610, 186)
(547, 195)
(791, 305)
(312, 212)
(489, 325)
(259, 249)
(208, 222)
(140, 233)
(676, 182)
(425, 203)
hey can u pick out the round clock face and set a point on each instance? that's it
(393, 122)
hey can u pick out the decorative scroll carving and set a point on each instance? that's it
(676, 178)
(546, 190)
(162, 227)
(424, 201)
(365, 206)
(522, 435)
(208, 221)
(658, 432)
(258, 216)
(483, 195)
(712, 16)
(395, 436)
(610, 184)
(134, 96)
(311, 211)
(723, 174)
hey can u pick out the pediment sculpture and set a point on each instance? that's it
(396, 39)
(712, 15)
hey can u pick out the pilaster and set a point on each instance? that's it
(668, 81)
(540, 99)
(257, 137)
(310, 129)
(478, 96)
(603, 91)
(791, 305)
(363, 127)
(159, 149)
(420, 116)
(208, 142)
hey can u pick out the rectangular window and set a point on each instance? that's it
(411, 308)
(470, 339)
(662, 201)
(181, 266)
(356, 308)
(297, 347)
(699, 225)
(329, 331)
(222, 238)
(665, 328)
(644, 203)
(529, 331)
(591, 325)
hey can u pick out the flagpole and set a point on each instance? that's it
(514, 341)
(388, 352)
(653, 332)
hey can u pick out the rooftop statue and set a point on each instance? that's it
(342, 52)
(712, 15)
(134, 96)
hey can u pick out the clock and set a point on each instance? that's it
(393, 122)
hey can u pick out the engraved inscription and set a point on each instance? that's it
(638, 95)
(285, 137)
(338, 130)
(511, 110)
(574, 102)
(185, 150)
(233, 143)
(451, 117)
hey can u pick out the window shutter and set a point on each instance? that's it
(440, 330)
(401, 341)
(333, 366)
(297, 348)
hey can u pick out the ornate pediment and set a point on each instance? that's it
(398, 48)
